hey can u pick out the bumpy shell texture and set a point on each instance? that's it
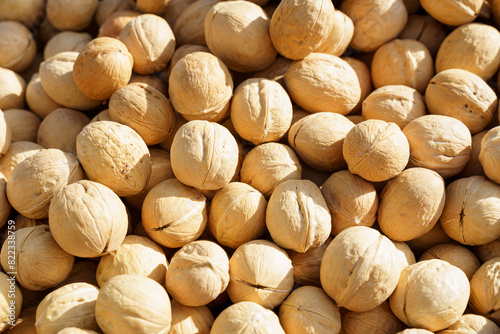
(485, 291)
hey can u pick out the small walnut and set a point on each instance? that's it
(189, 27)
(426, 30)
(12, 88)
(340, 37)
(485, 290)
(38, 101)
(17, 46)
(65, 41)
(379, 319)
(457, 255)
(71, 15)
(23, 124)
(115, 23)
(6, 299)
(29, 12)
(157, 7)
(107, 8)
(16, 153)
(186, 319)
(453, 12)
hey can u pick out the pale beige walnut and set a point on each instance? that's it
(29, 12)
(394, 103)
(114, 155)
(411, 204)
(102, 67)
(72, 305)
(4, 204)
(261, 272)
(83, 272)
(377, 320)
(71, 15)
(318, 139)
(237, 214)
(189, 27)
(462, 95)
(376, 150)
(474, 47)
(75, 330)
(12, 89)
(161, 170)
(8, 297)
(204, 155)
(261, 110)
(237, 32)
(17, 46)
(322, 82)
(487, 251)
(98, 218)
(407, 256)
(5, 134)
(471, 324)
(198, 273)
(60, 129)
(34, 181)
(175, 9)
(360, 268)
(485, 290)
(136, 255)
(189, 319)
(152, 80)
(151, 42)
(56, 76)
(200, 87)
(299, 28)
(453, 12)
(489, 154)
(269, 164)
(470, 215)
(430, 239)
(473, 166)
(426, 30)
(375, 21)
(107, 8)
(102, 116)
(182, 51)
(430, 294)
(132, 304)
(297, 216)
(65, 41)
(276, 71)
(309, 308)
(38, 101)
(174, 214)
(306, 266)
(440, 143)
(144, 109)
(402, 62)
(25, 323)
(114, 23)
(415, 331)
(246, 318)
(364, 78)
(40, 263)
(157, 7)
(340, 37)
(457, 255)
(23, 124)
(17, 152)
(352, 201)
(179, 121)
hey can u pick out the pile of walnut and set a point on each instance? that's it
(261, 166)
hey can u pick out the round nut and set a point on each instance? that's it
(38, 101)
(70, 15)
(12, 88)
(454, 12)
(66, 41)
(17, 46)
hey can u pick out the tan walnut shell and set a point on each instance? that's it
(66, 41)
(430, 294)
(453, 12)
(114, 155)
(340, 37)
(299, 28)
(7, 298)
(457, 255)
(133, 304)
(98, 219)
(190, 319)
(198, 273)
(17, 152)
(360, 268)
(30, 12)
(470, 324)
(4, 203)
(297, 216)
(17, 46)
(115, 22)
(204, 155)
(5, 134)
(411, 204)
(377, 320)
(426, 30)
(488, 251)
(485, 291)
(37, 100)
(23, 124)
(306, 266)
(323, 83)
(489, 154)
(260, 272)
(12, 89)
(189, 27)
(69, 15)
(34, 181)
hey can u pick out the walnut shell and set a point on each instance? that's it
(38, 101)
(39, 261)
(152, 80)
(322, 82)
(182, 51)
(133, 304)
(4, 203)
(297, 216)
(306, 266)
(426, 30)
(473, 166)
(5, 134)
(430, 294)
(364, 78)
(430, 239)
(23, 124)
(375, 21)
(204, 155)
(260, 272)
(8, 299)
(276, 71)
(456, 255)
(114, 23)
(34, 181)
(485, 290)
(189, 27)
(470, 215)
(200, 87)
(174, 214)
(175, 9)
(102, 67)
(25, 323)
(462, 95)
(145, 110)
(65, 41)
(360, 269)
(453, 12)
(18, 151)
(68, 306)
(83, 272)
(151, 42)
(189, 319)
(487, 251)
(352, 201)
(12, 89)
(70, 15)
(415, 331)
(114, 155)
(157, 7)
(261, 110)
(438, 142)
(107, 8)
(377, 320)
(309, 308)
(472, 323)
(99, 219)
(17, 46)
(198, 273)
(29, 12)
(489, 156)
(411, 204)
(340, 37)
(376, 150)
(402, 62)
